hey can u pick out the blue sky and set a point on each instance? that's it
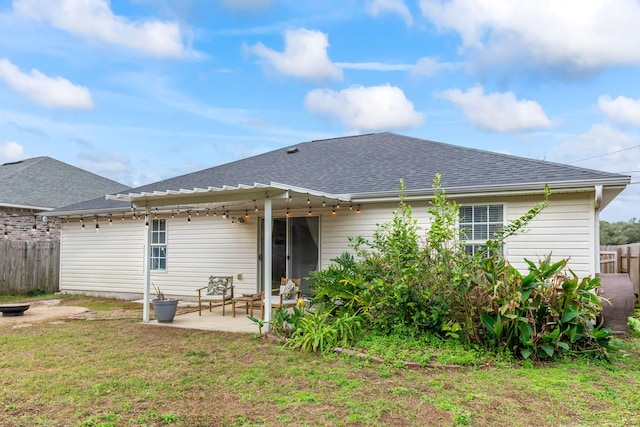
(143, 90)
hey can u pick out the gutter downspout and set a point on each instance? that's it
(266, 251)
(597, 204)
(145, 263)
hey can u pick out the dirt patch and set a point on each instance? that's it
(44, 310)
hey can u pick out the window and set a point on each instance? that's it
(158, 244)
(479, 223)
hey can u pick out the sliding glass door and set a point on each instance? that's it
(295, 250)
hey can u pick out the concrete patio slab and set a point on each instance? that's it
(212, 321)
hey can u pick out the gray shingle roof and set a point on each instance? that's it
(375, 163)
(44, 182)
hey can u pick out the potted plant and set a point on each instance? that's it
(164, 309)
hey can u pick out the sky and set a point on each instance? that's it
(143, 90)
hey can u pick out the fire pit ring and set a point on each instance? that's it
(11, 310)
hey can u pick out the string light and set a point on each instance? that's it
(308, 199)
(189, 217)
(358, 210)
(287, 212)
(233, 221)
(246, 214)
(334, 210)
(155, 214)
(134, 216)
(350, 206)
(214, 212)
(110, 219)
(290, 196)
(255, 205)
(173, 215)
(97, 227)
(207, 211)
(123, 216)
(338, 205)
(6, 234)
(197, 213)
(310, 211)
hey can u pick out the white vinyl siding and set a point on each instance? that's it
(336, 229)
(110, 262)
(565, 229)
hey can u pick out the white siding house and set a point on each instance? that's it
(211, 222)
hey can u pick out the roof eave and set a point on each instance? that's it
(493, 190)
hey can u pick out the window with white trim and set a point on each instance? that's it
(158, 255)
(479, 223)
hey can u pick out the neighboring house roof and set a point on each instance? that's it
(371, 166)
(45, 183)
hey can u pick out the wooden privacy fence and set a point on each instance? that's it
(29, 266)
(622, 259)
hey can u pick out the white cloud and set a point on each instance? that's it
(569, 34)
(305, 56)
(602, 147)
(498, 112)
(247, 5)
(11, 151)
(608, 149)
(109, 164)
(621, 110)
(365, 108)
(378, 7)
(94, 21)
(48, 91)
(373, 66)
(427, 66)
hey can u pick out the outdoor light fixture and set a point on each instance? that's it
(6, 234)
(358, 210)
(308, 199)
(255, 205)
(333, 212)
(110, 219)
(97, 227)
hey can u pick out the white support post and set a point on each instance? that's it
(268, 238)
(146, 267)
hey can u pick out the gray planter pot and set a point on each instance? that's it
(165, 310)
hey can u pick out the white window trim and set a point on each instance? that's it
(475, 242)
(158, 245)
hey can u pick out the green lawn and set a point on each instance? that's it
(124, 373)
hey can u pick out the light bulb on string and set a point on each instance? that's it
(255, 205)
(358, 210)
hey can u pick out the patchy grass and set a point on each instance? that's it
(124, 373)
